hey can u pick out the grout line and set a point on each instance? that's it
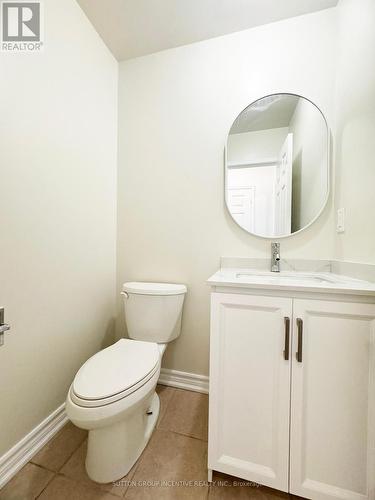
(92, 484)
(42, 467)
(136, 465)
(64, 463)
(48, 483)
(185, 435)
(37, 465)
(160, 419)
(55, 473)
(70, 456)
(165, 414)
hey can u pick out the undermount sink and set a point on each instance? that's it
(296, 277)
(321, 280)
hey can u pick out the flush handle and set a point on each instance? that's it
(287, 336)
(300, 340)
(3, 326)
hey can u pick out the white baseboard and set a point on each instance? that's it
(184, 380)
(14, 459)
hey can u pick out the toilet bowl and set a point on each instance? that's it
(113, 394)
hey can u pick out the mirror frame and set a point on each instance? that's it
(328, 158)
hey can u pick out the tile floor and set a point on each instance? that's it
(176, 452)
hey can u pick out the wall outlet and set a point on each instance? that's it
(340, 221)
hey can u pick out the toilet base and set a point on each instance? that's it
(112, 451)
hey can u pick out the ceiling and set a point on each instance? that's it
(132, 28)
(266, 113)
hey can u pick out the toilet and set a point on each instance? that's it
(113, 394)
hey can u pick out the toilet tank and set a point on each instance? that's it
(153, 311)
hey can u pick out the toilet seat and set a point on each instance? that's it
(115, 372)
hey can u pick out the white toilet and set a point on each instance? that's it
(113, 394)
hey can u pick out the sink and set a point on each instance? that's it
(296, 277)
(262, 278)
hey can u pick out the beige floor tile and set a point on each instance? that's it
(27, 484)
(165, 394)
(75, 469)
(168, 493)
(187, 414)
(60, 449)
(226, 487)
(63, 488)
(171, 457)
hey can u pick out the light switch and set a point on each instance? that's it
(340, 223)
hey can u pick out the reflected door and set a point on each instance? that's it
(241, 202)
(283, 188)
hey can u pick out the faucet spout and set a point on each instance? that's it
(275, 257)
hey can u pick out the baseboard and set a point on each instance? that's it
(14, 459)
(184, 380)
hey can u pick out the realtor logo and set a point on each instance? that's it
(21, 26)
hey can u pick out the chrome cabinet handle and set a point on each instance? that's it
(287, 336)
(300, 340)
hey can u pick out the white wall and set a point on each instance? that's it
(256, 146)
(310, 150)
(175, 110)
(57, 214)
(355, 132)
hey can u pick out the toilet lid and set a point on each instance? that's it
(115, 369)
(143, 288)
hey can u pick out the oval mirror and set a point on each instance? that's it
(277, 168)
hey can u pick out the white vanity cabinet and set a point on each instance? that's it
(292, 385)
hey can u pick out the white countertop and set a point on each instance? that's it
(324, 282)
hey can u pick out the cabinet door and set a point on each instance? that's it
(332, 418)
(249, 388)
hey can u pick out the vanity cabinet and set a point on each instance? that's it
(292, 385)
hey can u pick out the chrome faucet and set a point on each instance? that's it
(275, 257)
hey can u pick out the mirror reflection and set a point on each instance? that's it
(277, 173)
